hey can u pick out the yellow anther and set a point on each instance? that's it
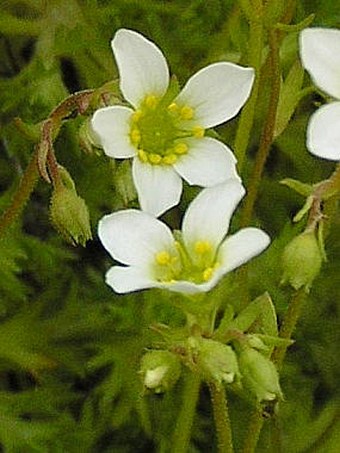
(207, 273)
(151, 101)
(163, 258)
(155, 158)
(186, 112)
(135, 136)
(170, 159)
(181, 148)
(173, 107)
(143, 156)
(202, 247)
(198, 131)
(136, 116)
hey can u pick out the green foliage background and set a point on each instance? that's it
(69, 347)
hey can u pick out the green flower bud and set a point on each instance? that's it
(70, 216)
(259, 375)
(217, 361)
(160, 370)
(302, 259)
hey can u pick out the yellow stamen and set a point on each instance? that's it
(173, 107)
(181, 148)
(151, 101)
(170, 159)
(143, 156)
(207, 273)
(136, 116)
(186, 112)
(202, 247)
(198, 131)
(135, 136)
(163, 258)
(155, 158)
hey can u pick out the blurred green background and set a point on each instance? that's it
(69, 347)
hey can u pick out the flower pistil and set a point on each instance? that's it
(158, 131)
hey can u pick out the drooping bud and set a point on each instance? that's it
(259, 375)
(160, 370)
(302, 259)
(216, 361)
(70, 215)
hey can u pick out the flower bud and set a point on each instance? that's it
(302, 259)
(160, 370)
(217, 361)
(70, 216)
(259, 375)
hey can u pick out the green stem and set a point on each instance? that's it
(21, 196)
(181, 437)
(246, 121)
(289, 324)
(221, 417)
(267, 135)
(254, 430)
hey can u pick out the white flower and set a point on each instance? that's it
(163, 131)
(320, 54)
(190, 261)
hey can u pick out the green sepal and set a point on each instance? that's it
(261, 309)
(270, 341)
(304, 210)
(299, 187)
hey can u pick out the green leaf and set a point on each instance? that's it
(290, 95)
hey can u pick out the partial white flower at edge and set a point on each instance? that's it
(163, 132)
(320, 54)
(190, 261)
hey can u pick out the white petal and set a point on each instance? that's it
(142, 67)
(134, 237)
(217, 92)
(128, 279)
(320, 54)
(241, 247)
(323, 133)
(208, 216)
(159, 187)
(208, 162)
(112, 126)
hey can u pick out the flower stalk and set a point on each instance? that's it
(182, 433)
(22, 194)
(221, 417)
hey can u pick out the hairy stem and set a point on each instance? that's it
(181, 437)
(21, 196)
(254, 430)
(221, 417)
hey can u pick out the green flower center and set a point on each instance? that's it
(158, 132)
(177, 264)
